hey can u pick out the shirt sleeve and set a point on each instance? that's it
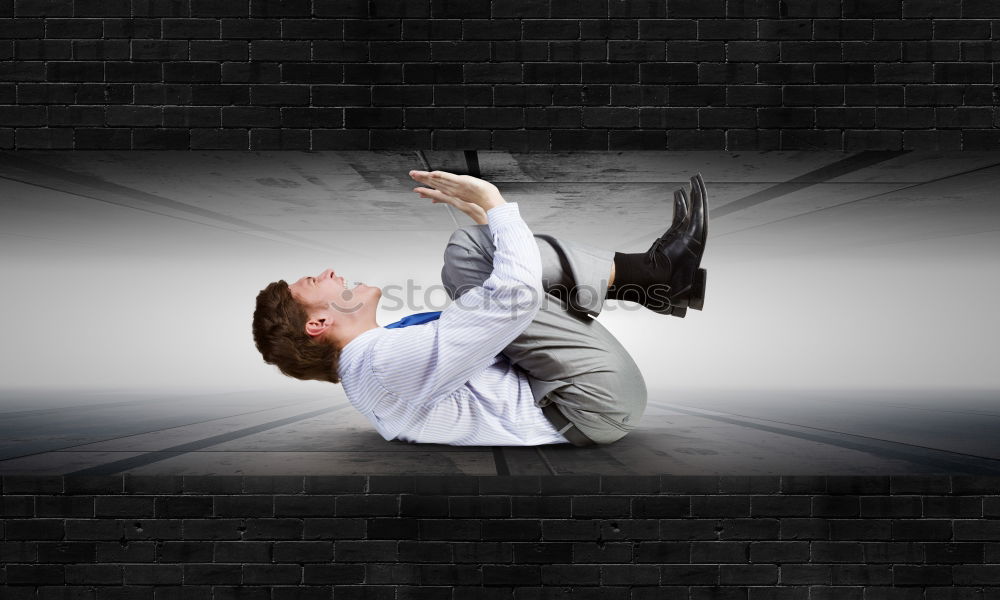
(427, 363)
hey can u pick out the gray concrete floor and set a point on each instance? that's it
(850, 324)
(726, 433)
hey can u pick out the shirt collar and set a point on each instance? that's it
(357, 345)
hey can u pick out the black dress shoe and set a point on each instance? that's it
(677, 255)
(628, 290)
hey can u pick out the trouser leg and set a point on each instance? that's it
(570, 359)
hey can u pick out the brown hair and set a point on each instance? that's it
(279, 332)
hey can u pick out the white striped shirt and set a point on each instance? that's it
(446, 381)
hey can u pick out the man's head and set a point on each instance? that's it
(302, 327)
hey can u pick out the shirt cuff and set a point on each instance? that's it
(503, 214)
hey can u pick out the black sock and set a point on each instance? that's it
(632, 275)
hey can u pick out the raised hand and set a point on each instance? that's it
(465, 188)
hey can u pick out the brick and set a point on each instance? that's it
(629, 575)
(569, 529)
(124, 506)
(755, 52)
(264, 529)
(302, 552)
(727, 29)
(737, 529)
(93, 574)
(543, 552)
(272, 574)
(785, 29)
(953, 593)
(779, 552)
(867, 575)
(786, 74)
(964, 485)
(877, 95)
(250, 29)
(689, 574)
(56, 506)
(168, 552)
(921, 529)
(860, 529)
(691, 8)
(495, 530)
(213, 529)
(805, 574)
(339, 528)
(664, 29)
(540, 506)
(302, 506)
(241, 551)
(957, 506)
(718, 593)
(913, 484)
(756, 95)
(843, 29)
(922, 575)
(931, 8)
(748, 575)
(780, 506)
(720, 506)
(976, 575)
(449, 574)
(664, 552)
(905, 29)
(66, 552)
(361, 551)
(719, 552)
(835, 593)
(153, 574)
(482, 552)
(832, 552)
(34, 529)
(212, 574)
(241, 592)
(126, 551)
(578, 575)
(892, 552)
(598, 506)
(243, 506)
(35, 574)
(520, 575)
(314, 574)
(602, 552)
(394, 529)
(479, 507)
(300, 593)
(952, 553)
(550, 29)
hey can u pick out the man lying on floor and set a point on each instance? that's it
(516, 359)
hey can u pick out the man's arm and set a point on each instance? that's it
(423, 364)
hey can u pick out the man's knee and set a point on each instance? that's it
(466, 262)
(469, 236)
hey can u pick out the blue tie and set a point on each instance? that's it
(414, 319)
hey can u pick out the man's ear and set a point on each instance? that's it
(318, 324)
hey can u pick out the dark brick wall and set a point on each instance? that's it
(514, 75)
(749, 538)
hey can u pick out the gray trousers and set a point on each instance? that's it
(570, 359)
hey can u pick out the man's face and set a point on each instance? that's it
(328, 292)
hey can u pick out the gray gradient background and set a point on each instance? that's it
(849, 324)
(121, 290)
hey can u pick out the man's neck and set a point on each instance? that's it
(346, 339)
